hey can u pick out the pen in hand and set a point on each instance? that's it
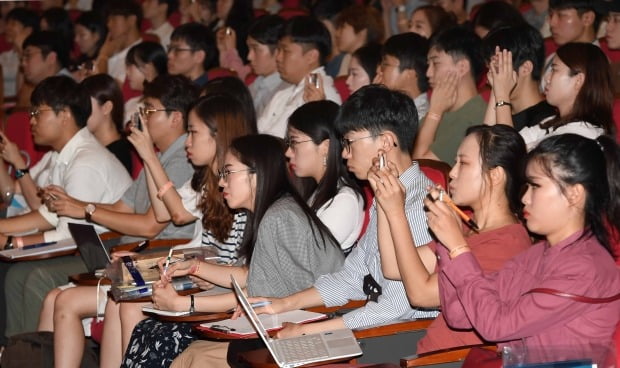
(168, 261)
(468, 220)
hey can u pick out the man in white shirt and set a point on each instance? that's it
(157, 12)
(77, 162)
(303, 47)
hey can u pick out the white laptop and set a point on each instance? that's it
(306, 349)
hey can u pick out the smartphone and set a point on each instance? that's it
(314, 79)
(381, 161)
(136, 121)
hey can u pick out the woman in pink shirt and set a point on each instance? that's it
(573, 191)
(487, 177)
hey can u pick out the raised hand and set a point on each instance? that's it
(443, 221)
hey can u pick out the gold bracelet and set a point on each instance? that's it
(451, 254)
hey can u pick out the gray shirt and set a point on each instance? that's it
(179, 171)
(286, 258)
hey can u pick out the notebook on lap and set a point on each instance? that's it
(306, 349)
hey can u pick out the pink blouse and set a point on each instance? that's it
(498, 308)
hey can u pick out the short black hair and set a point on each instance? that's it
(376, 109)
(369, 57)
(266, 30)
(495, 14)
(411, 50)
(311, 33)
(329, 9)
(58, 20)
(199, 38)
(148, 52)
(461, 42)
(59, 92)
(95, 24)
(173, 5)
(49, 41)
(126, 8)
(175, 92)
(582, 6)
(525, 43)
(26, 17)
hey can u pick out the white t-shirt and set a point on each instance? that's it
(344, 216)
(534, 135)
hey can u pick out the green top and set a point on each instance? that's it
(451, 130)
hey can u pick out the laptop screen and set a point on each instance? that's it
(93, 252)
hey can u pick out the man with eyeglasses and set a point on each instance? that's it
(166, 100)
(373, 121)
(77, 163)
(403, 68)
(44, 55)
(123, 21)
(192, 51)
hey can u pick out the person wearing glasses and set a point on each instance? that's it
(373, 121)
(44, 55)
(192, 51)
(198, 200)
(314, 153)
(129, 213)
(285, 247)
(76, 162)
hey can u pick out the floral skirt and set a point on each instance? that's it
(155, 344)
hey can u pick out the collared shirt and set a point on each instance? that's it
(87, 171)
(274, 118)
(500, 308)
(263, 88)
(175, 164)
(116, 63)
(163, 32)
(340, 287)
(535, 134)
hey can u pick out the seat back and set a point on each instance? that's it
(220, 72)
(341, 86)
(437, 171)
(17, 130)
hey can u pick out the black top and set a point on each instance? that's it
(533, 115)
(122, 150)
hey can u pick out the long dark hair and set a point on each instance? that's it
(223, 115)
(317, 120)
(570, 159)
(264, 154)
(104, 88)
(502, 146)
(595, 99)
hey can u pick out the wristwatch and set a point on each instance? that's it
(502, 103)
(88, 211)
(19, 173)
(9, 243)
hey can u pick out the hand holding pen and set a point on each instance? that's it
(443, 220)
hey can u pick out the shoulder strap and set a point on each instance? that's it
(575, 297)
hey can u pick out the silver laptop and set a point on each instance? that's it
(306, 349)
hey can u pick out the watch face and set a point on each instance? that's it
(90, 208)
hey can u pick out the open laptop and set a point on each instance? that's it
(93, 252)
(306, 349)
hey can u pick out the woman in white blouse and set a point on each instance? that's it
(314, 153)
(579, 86)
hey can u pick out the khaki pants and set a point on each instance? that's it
(203, 353)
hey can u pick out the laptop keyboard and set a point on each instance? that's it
(301, 348)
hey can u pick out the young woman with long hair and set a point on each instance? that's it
(487, 177)
(315, 153)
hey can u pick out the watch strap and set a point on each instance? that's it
(19, 173)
